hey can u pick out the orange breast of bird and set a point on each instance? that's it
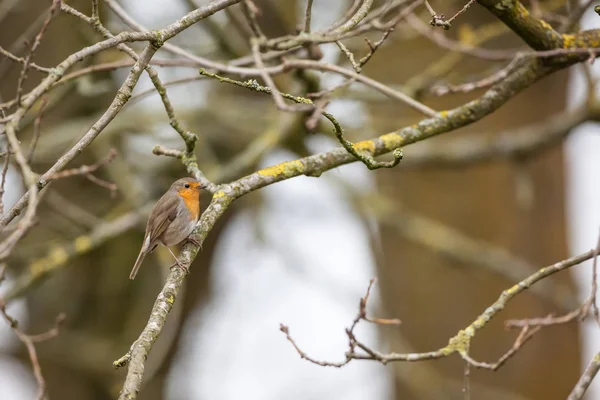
(191, 199)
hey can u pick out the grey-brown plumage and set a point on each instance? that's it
(172, 219)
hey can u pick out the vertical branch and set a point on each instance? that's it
(586, 379)
(31, 182)
(36, 130)
(308, 16)
(467, 381)
(3, 181)
(593, 300)
(251, 11)
(277, 97)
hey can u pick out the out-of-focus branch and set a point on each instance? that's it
(575, 16)
(327, 35)
(520, 142)
(3, 179)
(474, 37)
(482, 83)
(109, 66)
(282, 127)
(85, 169)
(54, 8)
(446, 240)
(200, 61)
(320, 66)
(277, 97)
(22, 40)
(58, 256)
(21, 60)
(36, 130)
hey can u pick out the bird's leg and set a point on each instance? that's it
(193, 241)
(177, 262)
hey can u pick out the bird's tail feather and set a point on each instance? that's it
(137, 264)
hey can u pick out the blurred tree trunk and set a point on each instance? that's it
(514, 204)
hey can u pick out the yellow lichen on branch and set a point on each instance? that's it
(283, 169)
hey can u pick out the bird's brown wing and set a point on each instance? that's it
(163, 213)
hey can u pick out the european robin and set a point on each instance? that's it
(172, 219)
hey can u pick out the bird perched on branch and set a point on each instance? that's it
(172, 219)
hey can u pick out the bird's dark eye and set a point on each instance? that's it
(187, 185)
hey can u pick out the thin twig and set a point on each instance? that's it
(588, 307)
(462, 10)
(524, 336)
(438, 20)
(37, 41)
(3, 181)
(84, 169)
(29, 342)
(110, 186)
(251, 11)
(36, 130)
(234, 67)
(467, 381)
(549, 320)
(22, 41)
(594, 290)
(286, 330)
(320, 66)
(353, 342)
(350, 56)
(163, 151)
(480, 84)
(277, 98)
(361, 63)
(95, 13)
(21, 60)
